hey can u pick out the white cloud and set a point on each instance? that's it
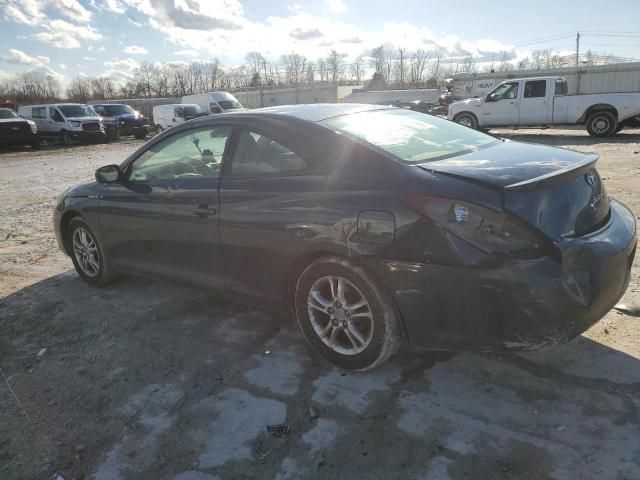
(37, 12)
(89, 59)
(124, 64)
(19, 57)
(136, 50)
(56, 31)
(187, 53)
(62, 66)
(336, 6)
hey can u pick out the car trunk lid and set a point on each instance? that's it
(558, 191)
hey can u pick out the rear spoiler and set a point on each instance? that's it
(577, 168)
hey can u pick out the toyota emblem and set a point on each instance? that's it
(591, 178)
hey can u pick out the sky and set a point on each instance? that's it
(67, 38)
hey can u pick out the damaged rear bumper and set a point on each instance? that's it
(522, 304)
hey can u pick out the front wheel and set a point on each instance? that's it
(467, 120)
(345, 315)
(87, 255)
(65, 139)
(601, 124)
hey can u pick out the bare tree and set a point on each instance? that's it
(357, 69)
(294, 67)
(417, 65)
(335, 65)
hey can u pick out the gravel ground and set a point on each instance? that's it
(145, 380)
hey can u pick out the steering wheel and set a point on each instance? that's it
(191, 167)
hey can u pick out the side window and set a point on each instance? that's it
(55, 115)
(561, 87)
(39, 112)
(505, 91)
(191, 154)
(535, 89)
(214, 108)
(256, 154)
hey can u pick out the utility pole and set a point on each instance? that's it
(578, 62)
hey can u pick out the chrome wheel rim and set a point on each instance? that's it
(466, 121)
(600, 125)
(86, 252)
(340, 315)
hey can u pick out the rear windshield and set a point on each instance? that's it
(229, 104)
(410, 136)
(77, 111)
(187, 111)
(6, 113)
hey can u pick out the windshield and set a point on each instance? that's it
(6, 113)
(188, 110)
(410, 136)
(115, 110)
(229, 104)
(77, 111)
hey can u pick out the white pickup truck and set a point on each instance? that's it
(544, 101)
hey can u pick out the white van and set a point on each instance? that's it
(214, 102)
(66, 122)
(164, 116)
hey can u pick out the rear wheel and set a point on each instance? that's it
(467, 119)
(87, 255)
(601, 124)
(35, 145)
(141, 135)
(345, 315)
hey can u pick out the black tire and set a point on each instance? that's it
(619, 127)
(112, 134)
(141, 136)
(466, 119)
(65, 139)
(601, 124)
(35, 145)
(105, 274)
(384, 333)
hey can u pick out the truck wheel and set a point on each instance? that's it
(35, 145)
(619, 127)
(345, 315)
(141, 135)
(65, 139)
(601, 124)
(467, 119)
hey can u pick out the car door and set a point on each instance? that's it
(162, 217)
(266, 188)
(39, 115)
(534, 104)
(56, 121)
(501, 107)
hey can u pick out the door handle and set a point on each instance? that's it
(204, 211)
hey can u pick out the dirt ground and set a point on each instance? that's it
(146, 380)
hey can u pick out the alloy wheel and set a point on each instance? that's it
(340, 315)
(85, 251)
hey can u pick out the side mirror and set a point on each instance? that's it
(108, 174)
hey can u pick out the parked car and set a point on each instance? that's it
(66, 122)
(214, 102)
(121, 120)
(544, 101)
(165, 116)
(372, 225)
(15, 130)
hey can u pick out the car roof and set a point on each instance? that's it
(314, 112)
